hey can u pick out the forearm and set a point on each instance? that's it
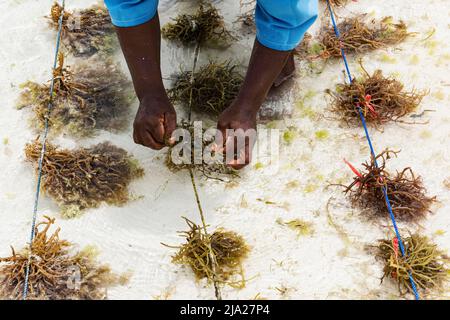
(281, 26)
(141, 47)
(264, 67)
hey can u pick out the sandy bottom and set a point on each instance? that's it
(329, 264)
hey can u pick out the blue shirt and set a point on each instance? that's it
(280, 24)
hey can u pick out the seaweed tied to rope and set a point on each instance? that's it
(210, 164)
(85, 177)
(382, 99)
(338, 3)
(87, 31)
(406, 192)
(229, 250)
(85, 98)
(57, 272)
(357, 35)
(428, 265)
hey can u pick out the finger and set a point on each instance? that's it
(228, 150)
(136, 137)
(170, 124)
(243, 159)
(230, 146)
(146, 139)
(218, 147)
(151, 142)
(233, 142)
(236, 165)
(215, 147)
(221, 135)
(157, 131)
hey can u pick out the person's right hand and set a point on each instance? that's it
(155, 121)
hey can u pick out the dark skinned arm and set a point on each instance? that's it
(265, 66)
(156, 118)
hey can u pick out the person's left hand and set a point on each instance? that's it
(240, 119)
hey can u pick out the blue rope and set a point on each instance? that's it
(42, 154)
(372, 150)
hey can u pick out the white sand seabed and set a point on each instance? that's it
(320, 266)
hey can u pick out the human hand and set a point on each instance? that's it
(237, 124)
(155, 121)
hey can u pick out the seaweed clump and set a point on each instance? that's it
(206, 26)
(87, 98)
(357, 36)
(337, 3)
(56, 273)
(85, 32)
(85, 177)
(212, 89)
(423, 260)
(229, 250)
(213, 168)
(382, 99)
(406, 192)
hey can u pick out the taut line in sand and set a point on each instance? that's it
(41, 157)
(369, 141)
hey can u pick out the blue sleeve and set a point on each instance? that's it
(281, 24)
(130, 13)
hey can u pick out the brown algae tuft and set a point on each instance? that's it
(214, 87)
(229, 250)
(85, 99)
(406, 192)
(85, 177)
(382, 99)
(357, 36)
(338, 3)
(428, 265)
(206, 26)
(56, 272)
(87, 31)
